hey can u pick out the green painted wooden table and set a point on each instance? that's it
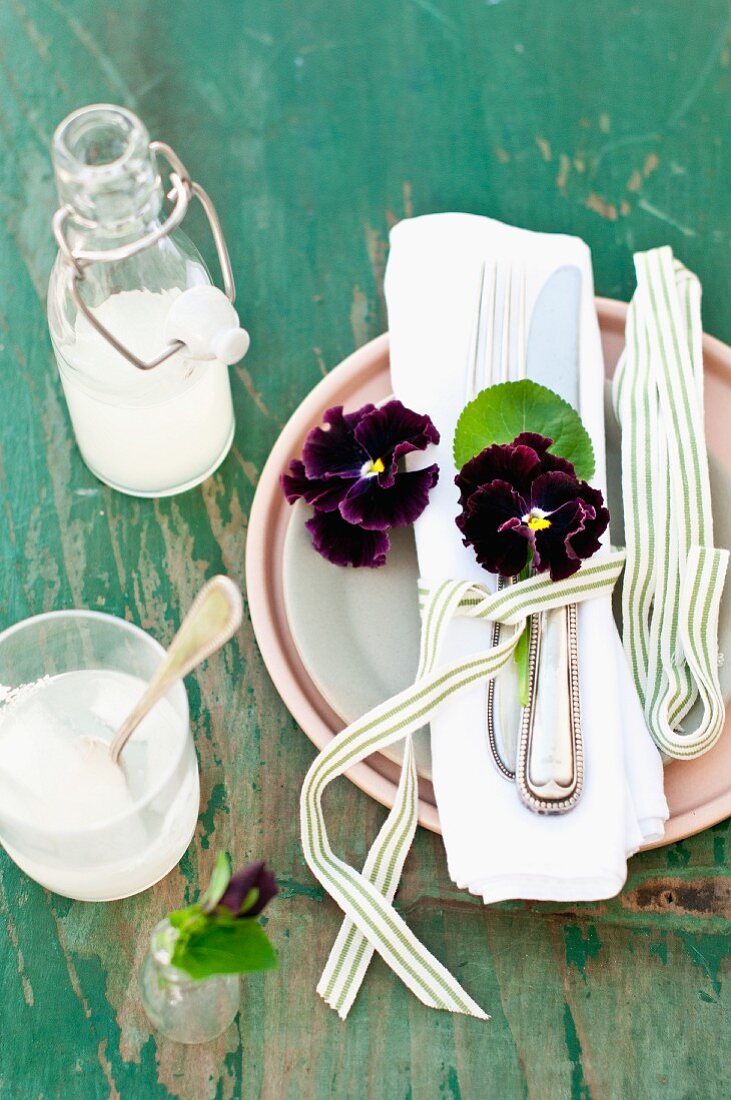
(316, 126)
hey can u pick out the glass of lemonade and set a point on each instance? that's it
(70, 818)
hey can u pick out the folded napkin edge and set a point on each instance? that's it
(543, 887)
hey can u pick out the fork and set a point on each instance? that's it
(539, 746)
(489, 363)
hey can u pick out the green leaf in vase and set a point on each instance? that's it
(225, 947)
(500, 413)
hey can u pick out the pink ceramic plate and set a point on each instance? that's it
(699, 792)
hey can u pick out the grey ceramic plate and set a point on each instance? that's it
(357, 630)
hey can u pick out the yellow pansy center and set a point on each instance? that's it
(375, 467)
(537, 520)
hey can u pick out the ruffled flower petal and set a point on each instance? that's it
(576, 518)
(334, 451)
(390, 431)
(518, 465)
(491, 524)
(323, 493)
(551, 490)
(344, 544)
(588, 541)
(553, 551)
(374, 508)
(549, 461)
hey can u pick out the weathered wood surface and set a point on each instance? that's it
(315, 126)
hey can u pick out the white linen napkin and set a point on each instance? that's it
(495, 846)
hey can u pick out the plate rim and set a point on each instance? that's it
(376, 776)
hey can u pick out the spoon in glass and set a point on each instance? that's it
(214, 617)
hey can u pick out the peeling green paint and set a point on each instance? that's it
(581, 948)
(209, 818)
(710, 952)
(719, 843)
(579, 1088)
(678, 855)
(659, 948)
(453, 1089)
(290, 889)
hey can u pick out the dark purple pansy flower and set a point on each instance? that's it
(521, 503)
(255, 876)
(349, 473)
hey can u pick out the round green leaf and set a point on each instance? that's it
(500, 413)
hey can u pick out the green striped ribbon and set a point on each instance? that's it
(674, 577)
(371, 923)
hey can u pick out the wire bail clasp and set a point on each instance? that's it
(182, 189)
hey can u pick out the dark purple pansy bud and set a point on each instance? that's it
(255, 876)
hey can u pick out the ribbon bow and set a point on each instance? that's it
(371, 923)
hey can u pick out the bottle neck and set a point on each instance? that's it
(106, 174)
(162, 945)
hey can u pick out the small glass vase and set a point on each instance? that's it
(181, 1008)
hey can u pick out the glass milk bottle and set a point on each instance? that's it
(142, 339)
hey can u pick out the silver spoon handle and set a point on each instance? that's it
(214, 617)
(550, 766)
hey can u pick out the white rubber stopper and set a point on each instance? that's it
(206, 322)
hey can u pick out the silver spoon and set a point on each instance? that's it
(214, 617)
